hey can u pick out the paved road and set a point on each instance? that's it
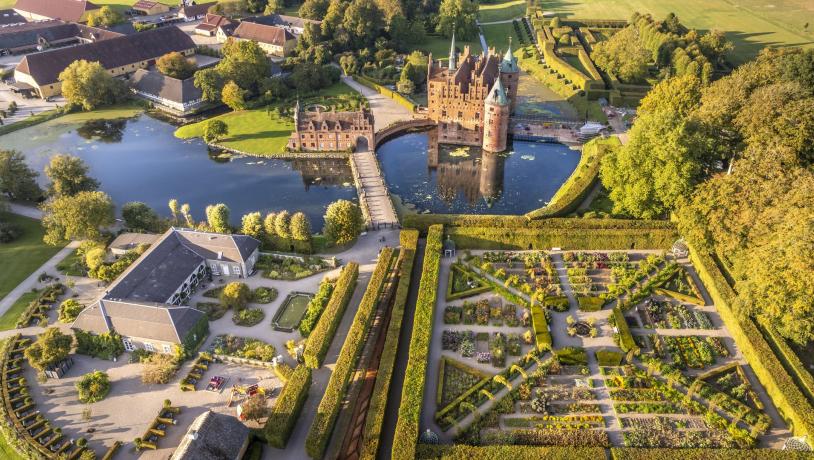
(32, 281)
(25, 210)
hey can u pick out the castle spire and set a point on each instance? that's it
(498, 93)
(509, 64)
(452, 54)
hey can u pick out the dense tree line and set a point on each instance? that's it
(734, 161)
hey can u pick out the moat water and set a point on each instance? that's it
(453, 179)
(139, 159)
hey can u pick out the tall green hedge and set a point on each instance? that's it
(626, 342)
(403, 101)
(540, 238)
(378, 400)
(287, 408)
(781, 387)
(464, 452)
(412, 395)
(632, 453)
(790, 360)
(571, 194)
(320, 339)
(328, 410)
(422, 222)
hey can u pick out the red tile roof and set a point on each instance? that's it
(67, 10)
(262, 33)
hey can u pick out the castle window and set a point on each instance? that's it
(460, 114)
(477, 115)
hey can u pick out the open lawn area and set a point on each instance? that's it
(262, 132)
(439, 46)
(9, 319)
(750, 24)
(497, 36)
(24, 255)
(502, 11)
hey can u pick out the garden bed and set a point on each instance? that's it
(289, 315)
(287, 268)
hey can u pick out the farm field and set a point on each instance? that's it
(750, 24)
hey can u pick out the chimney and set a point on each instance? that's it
(220, 255)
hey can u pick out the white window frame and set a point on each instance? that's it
(167, 349)
(149, 347)
(128, 344)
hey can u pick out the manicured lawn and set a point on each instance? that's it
(293, 310)
(497, 36)
(750, 24)
(71, 265)
(258, 131)
(439, 46)
(52, 116)
(23, 256)
(502, 11)
(10, 317)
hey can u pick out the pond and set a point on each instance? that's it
(139, 159)
(451, 179)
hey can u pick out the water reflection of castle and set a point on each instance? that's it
(479, 175)
(323, 171)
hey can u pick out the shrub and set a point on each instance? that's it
(590, 303)
(248, 317)
(404, 443)
(105, 346)
(378, 400)
(264, 295)
(626, 342)
(235, 295)
(322, 335)
(287, 408)
(315, 307)
(243, 347)
(93, 387)
(51, 347)
(331, 403)
(158, 368)
(69, 310)
(609, 357)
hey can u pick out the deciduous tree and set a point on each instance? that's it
(217, 216)
(300, 227)
(140, 217)
(175, 65)
(233, 96)
(104, 17)
(89, 85)
(69, 176)
(79, 216)
(282, 224)
(343, 221)
(215, 130)
(252, 225)
(51, 347)
(458, 16)
(17, 180)
(623, 55)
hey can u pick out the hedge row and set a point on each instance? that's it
(542, 335)
(404, 443)
(378, 400)
(678, 296)
(632, 453)
(287, 408)
(323, 334)
(790, 359)
(590, 303)
(408, 104)
(537, 238)
(626, 342)
(586, 62)
(484, 287)
(781, 387)
(571, 194)
(562, 67)
(464, 452)
(422, 222)
(328, 410)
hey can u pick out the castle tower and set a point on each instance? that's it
(496, 118)
(452, 53)
(510, 75)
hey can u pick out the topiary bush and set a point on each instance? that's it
(93, 387)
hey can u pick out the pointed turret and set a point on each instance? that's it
(497, 95)
(509, 63)
(496, 118)
(297, 111)
(452, 54)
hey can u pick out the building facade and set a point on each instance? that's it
(471, 97)
(178, 97)
(319, 131)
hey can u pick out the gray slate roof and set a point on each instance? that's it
(213, 436)
(26, 35)
(11, 17)
(160, 85)
(139, 319)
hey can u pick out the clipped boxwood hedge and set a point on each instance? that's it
(328, 410)
(626, 342)
(320, 339)
(792, 404)
(542, 335)
(287, 408)
(546, 238)
(789, 359)
(632, 453)
(422, 222)
(590, 303)
(412, 395)
(463, 271)
(378, 400)
(464, 452)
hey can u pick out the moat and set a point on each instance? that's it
(443, 178)
(139, 159)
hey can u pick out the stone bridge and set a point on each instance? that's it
(400, 127)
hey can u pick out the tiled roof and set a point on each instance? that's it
(10, 17)
(196, 10)
(67, 10)
(168, 88)
(282, 20)
(166, 323)
(263, 33)
(45, 67)
(213, 436)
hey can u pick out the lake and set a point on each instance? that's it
(139, 159)
(466, 180)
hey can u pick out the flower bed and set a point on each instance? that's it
(264, 295)
(213, 310)
(454, 379)
(36, 313)
(290, 268)
(248, 317)
(243, 347)
(196, 372)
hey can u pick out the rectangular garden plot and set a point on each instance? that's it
(290, 314)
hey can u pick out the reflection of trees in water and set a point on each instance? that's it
(107, 131)
(323, 171)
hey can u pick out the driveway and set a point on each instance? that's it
(386, 111)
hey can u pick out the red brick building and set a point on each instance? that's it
(471, 97)
(319, 131)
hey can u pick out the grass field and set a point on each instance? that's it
(439, 46)
(750, 24)
(258, 131)
(497, 36)
(9, 319)
(24, 255)
(502, 11)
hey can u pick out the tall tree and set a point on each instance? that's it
(459, 16)
(104, 17)
(210, 82)
(313, 9)
(217, 216)
(17, 180)
(282, 224)
(175, 65)
(244, 63)
(87, 84)
(215, 130)
(139, 216)
(173, 205)
(69, 176)
(233, 96)
(363, 19)
(252, 225)
(76, 217)
(51, 347)
(256, 6)
(300, 227)
(343, 221)
(269, 225)
(623, 55)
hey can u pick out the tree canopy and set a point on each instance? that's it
(623, 55)
(89, 85)
(51, 347)
(343, 221)
(458, 16)
(17, 180)
(175, 65)
(76, 217)
(69, 176)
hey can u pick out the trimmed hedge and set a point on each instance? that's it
(422, 222)
(406, 437)
(464, 452)
(378, 400)
(562, 67)
(287, 408)
(789, 359)
(678, 296)
(328, 410)
(469, 292)
(535, 238)
(781, 387)
(571, 194)
(631, 453)
(590, 303)
(542, 336)
(626, 342)
(320, 339)
(406, 103)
